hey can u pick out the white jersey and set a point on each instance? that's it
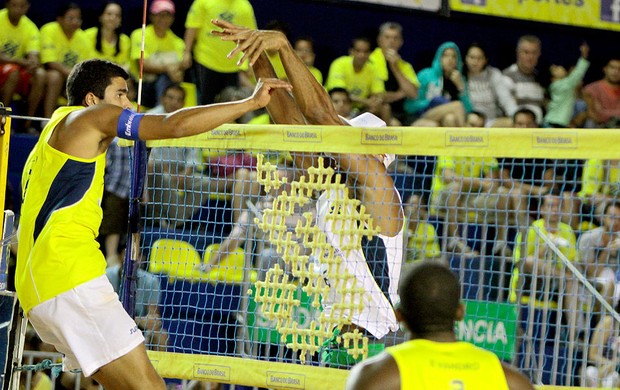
(377, 315)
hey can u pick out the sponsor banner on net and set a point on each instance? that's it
(555, 140)
(467, 138)
(603, 14)
(302, 134)
(426, 5)
(213, 372)
(225, 133)
(285, 380)
(382, 136)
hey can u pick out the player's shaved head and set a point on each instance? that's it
(429, 298)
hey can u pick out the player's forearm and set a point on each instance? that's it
(408, 88)
(194, 120)
(311, 97)
(282, 108)
(375, 189)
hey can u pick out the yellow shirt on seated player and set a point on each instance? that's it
(108, 50)
(56, 47)
(564, 239)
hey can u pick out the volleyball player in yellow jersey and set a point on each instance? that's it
(60, 276)
(433, 358)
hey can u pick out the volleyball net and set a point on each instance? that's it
(272, 252)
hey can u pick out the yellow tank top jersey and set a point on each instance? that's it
(425, 364)
(61, 214)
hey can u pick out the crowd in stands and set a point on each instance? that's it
(571, 202)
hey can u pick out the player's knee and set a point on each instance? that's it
(54, 78)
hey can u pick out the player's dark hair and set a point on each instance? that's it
(94, 76)
(62, 9)
(175, 87)
(429, 298)
(525, 111)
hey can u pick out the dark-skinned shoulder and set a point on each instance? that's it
(377, 373)
(515, 379)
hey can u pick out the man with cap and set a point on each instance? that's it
(162, 55)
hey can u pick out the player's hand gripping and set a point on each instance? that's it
(263, 90)
(252, 43)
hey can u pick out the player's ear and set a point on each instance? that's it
(460, 312)
(90, 99)
(401, 319)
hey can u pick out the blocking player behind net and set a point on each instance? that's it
(60, 277)
(432, 358)
(367, 176)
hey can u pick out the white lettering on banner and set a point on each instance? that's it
(427, 5)
(481, 331)
(128, 124)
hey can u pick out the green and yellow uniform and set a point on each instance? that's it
(59, 223)
(425, 364)
(209, 50)
(17, 41)
(108, 50)
(56, 47)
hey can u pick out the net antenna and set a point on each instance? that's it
(138, 159)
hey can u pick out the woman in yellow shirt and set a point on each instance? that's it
(106, 39)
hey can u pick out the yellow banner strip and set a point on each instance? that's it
(433, 141)
(248, 372)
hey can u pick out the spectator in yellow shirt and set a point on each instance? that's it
(208, 53)
(163, 53)
(64, 44)
(106, 39)
(20, 67)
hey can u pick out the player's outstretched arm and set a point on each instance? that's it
(282, 108)
(87, 133)
(200, 119)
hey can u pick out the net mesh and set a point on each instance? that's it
(248, 263)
